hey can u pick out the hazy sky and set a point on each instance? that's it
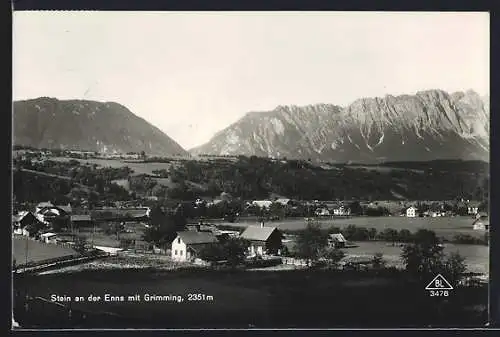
(192, 74)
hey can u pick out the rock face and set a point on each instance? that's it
(87, 125)
(429, 125)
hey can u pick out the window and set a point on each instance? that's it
(175, 252)
(178, 240)
(180, 252)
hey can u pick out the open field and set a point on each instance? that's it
(37, 251)
(137, 167)
(299, 298)
(476, 256)
(99, 238)
(443, 226)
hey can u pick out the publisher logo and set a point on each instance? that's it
(439, 287)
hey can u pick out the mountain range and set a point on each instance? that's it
(429, 125)
(87, 125)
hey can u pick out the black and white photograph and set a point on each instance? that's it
(250, 170)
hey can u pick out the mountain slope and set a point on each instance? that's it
(87, 125)
(429, 125)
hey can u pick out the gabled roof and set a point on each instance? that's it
(262, 203)
(47, 235)
(193, 238)
(257, 233)
(338, 237)
(81, 217)
(19, 216)
(283, 201)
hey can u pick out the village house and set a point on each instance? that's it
(263, 204)
(336, 240)
(411, 212)
(22, 221)
(322, 212)
(263, 240)
(481, 224)
(284, 202)
(342, 211)
(187, 244)
(43, 205)
(48, 214)
(472, 208)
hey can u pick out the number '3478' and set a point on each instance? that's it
(439, 293)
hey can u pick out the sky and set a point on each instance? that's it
(192, 74)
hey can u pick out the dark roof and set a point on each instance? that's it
(258, 233)
(193, 238)
(19, 216)
(81, 217)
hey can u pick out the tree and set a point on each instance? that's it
(333, 256)
(163, 228)
(405, 235)
(372, 233)
(356, 208)
(232, 250)
(81, 246)
(212, 253)
(389, 234)
(311, 242)
(424, 257)
(454, 267)
(235, 250)
(378, 261)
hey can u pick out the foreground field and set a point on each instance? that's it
(255, 299)
(476, 256)
(35, 251)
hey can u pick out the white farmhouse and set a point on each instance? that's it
(188, 244)
(411, 212)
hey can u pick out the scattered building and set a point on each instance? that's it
(187, 244)
(284, 201)
(336, 240)
(411, 212)
(322, 212)
(21, 220)
(263, 240)
(49, 237)
(262, 203)
(473, 207)
(342, 211)
(42, 205)
(481, 224)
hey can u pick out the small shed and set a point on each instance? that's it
(49, 237)
(336, 240)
